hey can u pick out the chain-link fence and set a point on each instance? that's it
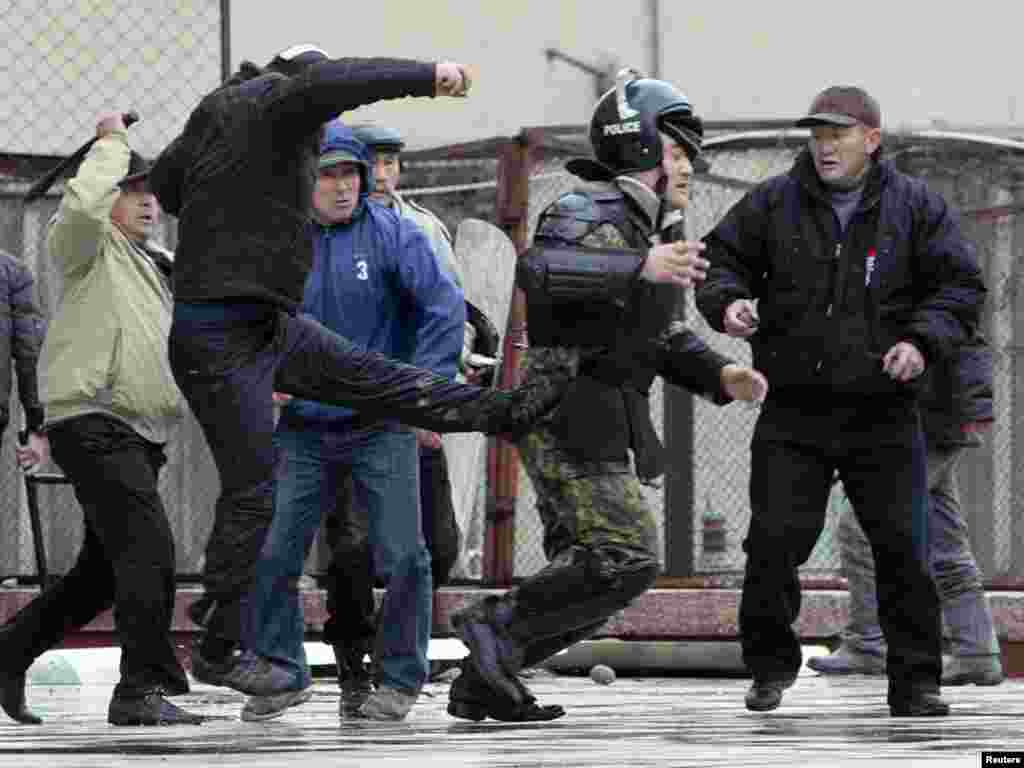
(62, 65)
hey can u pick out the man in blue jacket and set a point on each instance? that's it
(376, 281)
(862, 279)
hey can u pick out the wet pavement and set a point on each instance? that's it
(635, 722)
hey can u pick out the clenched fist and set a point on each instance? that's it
(452, 79)
(903, 362)
(741, 318)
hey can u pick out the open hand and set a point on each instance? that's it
(678, 263)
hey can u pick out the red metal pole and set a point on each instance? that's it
(516, 161)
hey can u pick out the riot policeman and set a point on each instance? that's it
(603, 280)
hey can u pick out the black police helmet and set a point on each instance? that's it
(626, 121)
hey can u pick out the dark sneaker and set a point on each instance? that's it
(977, 670)
(244, 671)
(848, 661)
(766, 695)
(471, 698)
(12, 699)
(388, 704)
(259, 708)
(149, 709)
(919, 704)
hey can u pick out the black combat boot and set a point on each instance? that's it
(12, 698)
(919, 701)
(354, 679)
(471, 698)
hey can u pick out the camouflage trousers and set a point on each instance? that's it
(598, 506)
(593, 505)
(599, 536)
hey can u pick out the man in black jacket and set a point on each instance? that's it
(603, 284)
(862, 278)
(240, 179)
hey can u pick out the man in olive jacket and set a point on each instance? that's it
(111, 406)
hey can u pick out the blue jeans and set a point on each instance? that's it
(965, 610)
(384, 466)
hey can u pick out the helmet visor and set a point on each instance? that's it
(686, 128)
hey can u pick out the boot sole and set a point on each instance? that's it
(957, 681)
(754, 706)
(301, 697)
(155, 723)
(845, 672)
(919, 712)
(476, 712)
(466, 711)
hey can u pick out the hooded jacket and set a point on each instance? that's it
(21, 334)
(832, 305)
(240, 176)
(376, 281)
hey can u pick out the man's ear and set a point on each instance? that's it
(872, 140)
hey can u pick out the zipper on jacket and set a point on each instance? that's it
(837, 265)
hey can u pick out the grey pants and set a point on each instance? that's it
(965, 611)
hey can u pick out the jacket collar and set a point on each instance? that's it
(358, 213)
(643, 197)
(805, 173)
(656, 218)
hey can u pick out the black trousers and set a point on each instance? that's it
(440, 528)
(879, 454)
(229, 359)
(350, 577)
(127, 558)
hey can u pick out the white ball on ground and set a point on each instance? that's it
(602, 674)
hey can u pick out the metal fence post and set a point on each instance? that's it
(516, 160)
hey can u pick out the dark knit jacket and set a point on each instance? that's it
(240, 176)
